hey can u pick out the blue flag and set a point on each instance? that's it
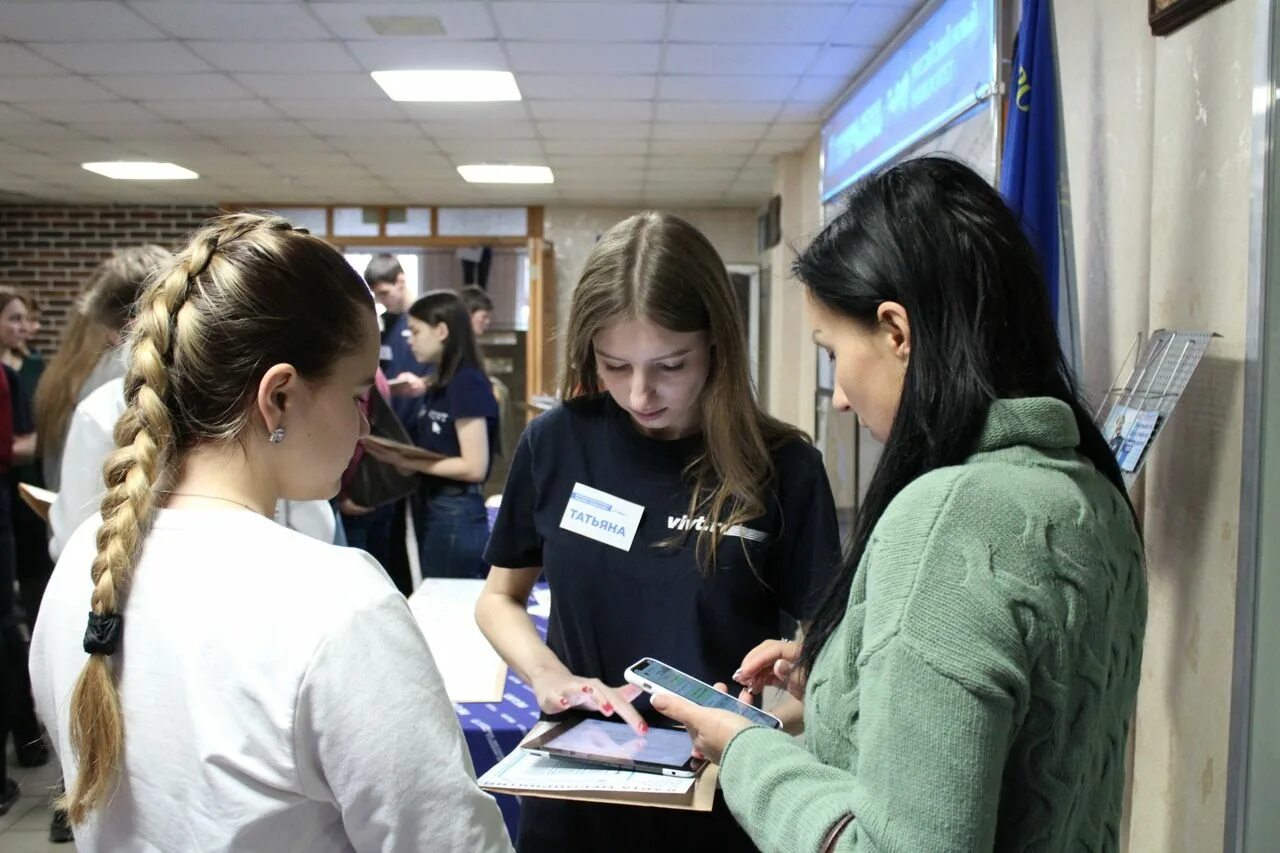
(1029, 177)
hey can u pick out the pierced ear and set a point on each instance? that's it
(275, 393)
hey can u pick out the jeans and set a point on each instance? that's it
(455, 532)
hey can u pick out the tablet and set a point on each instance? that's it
(665, 751)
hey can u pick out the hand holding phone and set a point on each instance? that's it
(657, 678)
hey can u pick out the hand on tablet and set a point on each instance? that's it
(772, 664)
(407, 385)
(710, 728)
(560, 692)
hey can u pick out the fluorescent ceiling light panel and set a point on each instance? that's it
(495, 173)
(124, 170)
(448, 85)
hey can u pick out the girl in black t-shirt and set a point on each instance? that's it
(736, 523)
(456, 418)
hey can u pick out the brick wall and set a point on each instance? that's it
(49, 250)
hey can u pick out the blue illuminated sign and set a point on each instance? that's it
(944, 69)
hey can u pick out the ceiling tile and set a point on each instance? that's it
(820, 90)
(737, 59)
(871, 26)
(519, 129)
(86, 20)
(661, 162)
(389, 54)
(16, 59)
(494, 112)
(581, 22)
(236, 110)
(595, 146)
(154, 130)
(842, 61)
(337, 108)
(277, 22)
(695, 111)
(702, 146)
(43, 89)
(460, 20)
(593, 130)
(491, 149)
(363, 128)
(353, 85)
(776, 23)
(596, 59)
(709, 131)
(588, 87)
(708, 88)
(78, 112)
(597, 162)
(171, 87)
(774, 147)
(802, 112)
(260, 56)
(793, 132)
(132, 57)
(247, 129)
(592, 110)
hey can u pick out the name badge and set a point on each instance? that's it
(601, 516)
(384, 353)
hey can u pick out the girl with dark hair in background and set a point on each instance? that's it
(970, 675)
(738, 525)
(458, 419)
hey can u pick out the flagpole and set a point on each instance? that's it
(1068, 301)
(997, 87)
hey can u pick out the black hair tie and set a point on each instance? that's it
(102, 637)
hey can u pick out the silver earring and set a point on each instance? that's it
(276, 436)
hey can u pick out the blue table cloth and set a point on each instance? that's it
(493, 729)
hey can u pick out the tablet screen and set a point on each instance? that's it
(669, 747)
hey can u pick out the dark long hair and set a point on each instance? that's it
(445, 306)
(934, 237)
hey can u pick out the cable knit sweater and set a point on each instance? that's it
(977, 695)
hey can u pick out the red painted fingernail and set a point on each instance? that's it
(586, 689)
(644, 728)
(564, 701)
(608, 709)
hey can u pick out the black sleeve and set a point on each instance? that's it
(22, 420)
(515, 542)
(807, 552)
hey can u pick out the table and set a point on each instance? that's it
(493, 729)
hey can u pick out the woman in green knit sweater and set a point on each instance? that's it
(969, 680)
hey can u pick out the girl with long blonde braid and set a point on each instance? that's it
(223, 692)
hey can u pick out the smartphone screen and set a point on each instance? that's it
(700, 694)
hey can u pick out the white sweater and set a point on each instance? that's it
(277, 696)
(91, 439)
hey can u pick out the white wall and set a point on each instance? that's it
(1158, 134)
(792, 377)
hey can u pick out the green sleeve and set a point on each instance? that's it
(926, 776)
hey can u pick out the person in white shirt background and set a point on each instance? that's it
(237, 680)
(90, 441)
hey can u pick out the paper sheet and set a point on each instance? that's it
(445, 611)
(526, 771)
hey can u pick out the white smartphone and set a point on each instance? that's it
(655, 677)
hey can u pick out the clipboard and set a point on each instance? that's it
(38, 499)
(700, 797)
(408, 451)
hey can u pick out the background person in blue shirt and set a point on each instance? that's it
(737, 524)
(457, 417)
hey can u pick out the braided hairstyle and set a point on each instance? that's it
(247, 293)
